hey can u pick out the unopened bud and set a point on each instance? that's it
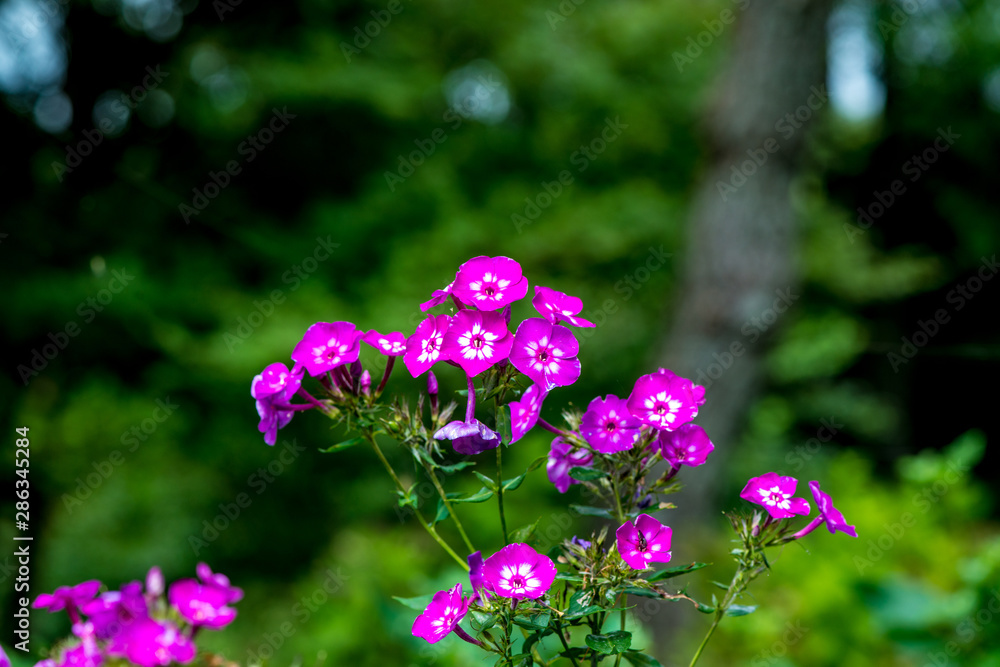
(154, 582)
(432, 391)
(366, 383)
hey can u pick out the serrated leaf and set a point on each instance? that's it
(600, 643)
(672, 572)
(582, 474)
(641, 659)
(480, 496)
(741, 609)
(586, 510)
(487, 482)
(353, 442)
(419, 603)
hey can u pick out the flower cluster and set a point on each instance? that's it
(627, 452)
(139, 625)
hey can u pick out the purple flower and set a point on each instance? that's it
(476, 578)
(664, 400)
(582, 543)
(154, 582)
(490, 283)
(524, 413)
(86, 653)
(470, 438)
(70, 598)
(390, 344)
(220, 581)
(558, 307)
(115, 610)
(156, 643)
(518, 571)
(440, 296)
(201, 605)
(423, 348)
(273, 389)
(327, 345)
(546, 353)
(644, 542)
(608, 426)
(442, 615)
(828, 514)
(563, 457)
(774, 493)
(688, 445)
(4, 660)
(476, 340)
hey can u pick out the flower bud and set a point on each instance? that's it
(432, 391)
(365, 383)
(154, 582)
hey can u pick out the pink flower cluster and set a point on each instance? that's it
(662, 404)
(516, 572)
(136, 624)
(775, 494)
(475, 338)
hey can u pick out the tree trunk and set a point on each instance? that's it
(742, 243)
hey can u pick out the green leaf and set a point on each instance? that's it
(533, 622)
(455, 467)
(343, 445)
(621, 640)
(406, 499)
(487, 482)
(482, 621)
(581, 474)
(600, 643)
(579, 605)
(480, 496)
(592, 511)
(741, 609)
(503, 424)
(565, 576)
(419, 603)
(704, 608)
(512, 484)
(641, 592)
(672, 572)
(442, 513)
(524, 533)
(641, 659)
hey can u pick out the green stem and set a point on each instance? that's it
(399, 485)
(503, 519)
(559, 631)
(621, 598)
(704, 642)
(447, 504)
(618, 501)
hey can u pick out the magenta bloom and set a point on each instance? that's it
(490, 283)
(70, 598)
(470, 437)
(273, 390)
(608, 426)
(828, 514)
(442, 615)
(327, 345)
(546, 353)
(476, 578)
(476, 340)
(774, 493)
(390, 344)
(423, 348)
(664, 400)
(4, 660)
(563, 457)
(86, 653)
(220, 581)
(524, 413)
(558, 307)
(113, 611)
(644, 542)
(518, 571)
(157, 643)
(201, 605)
(688, 445)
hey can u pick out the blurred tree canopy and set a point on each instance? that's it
(188, 186)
